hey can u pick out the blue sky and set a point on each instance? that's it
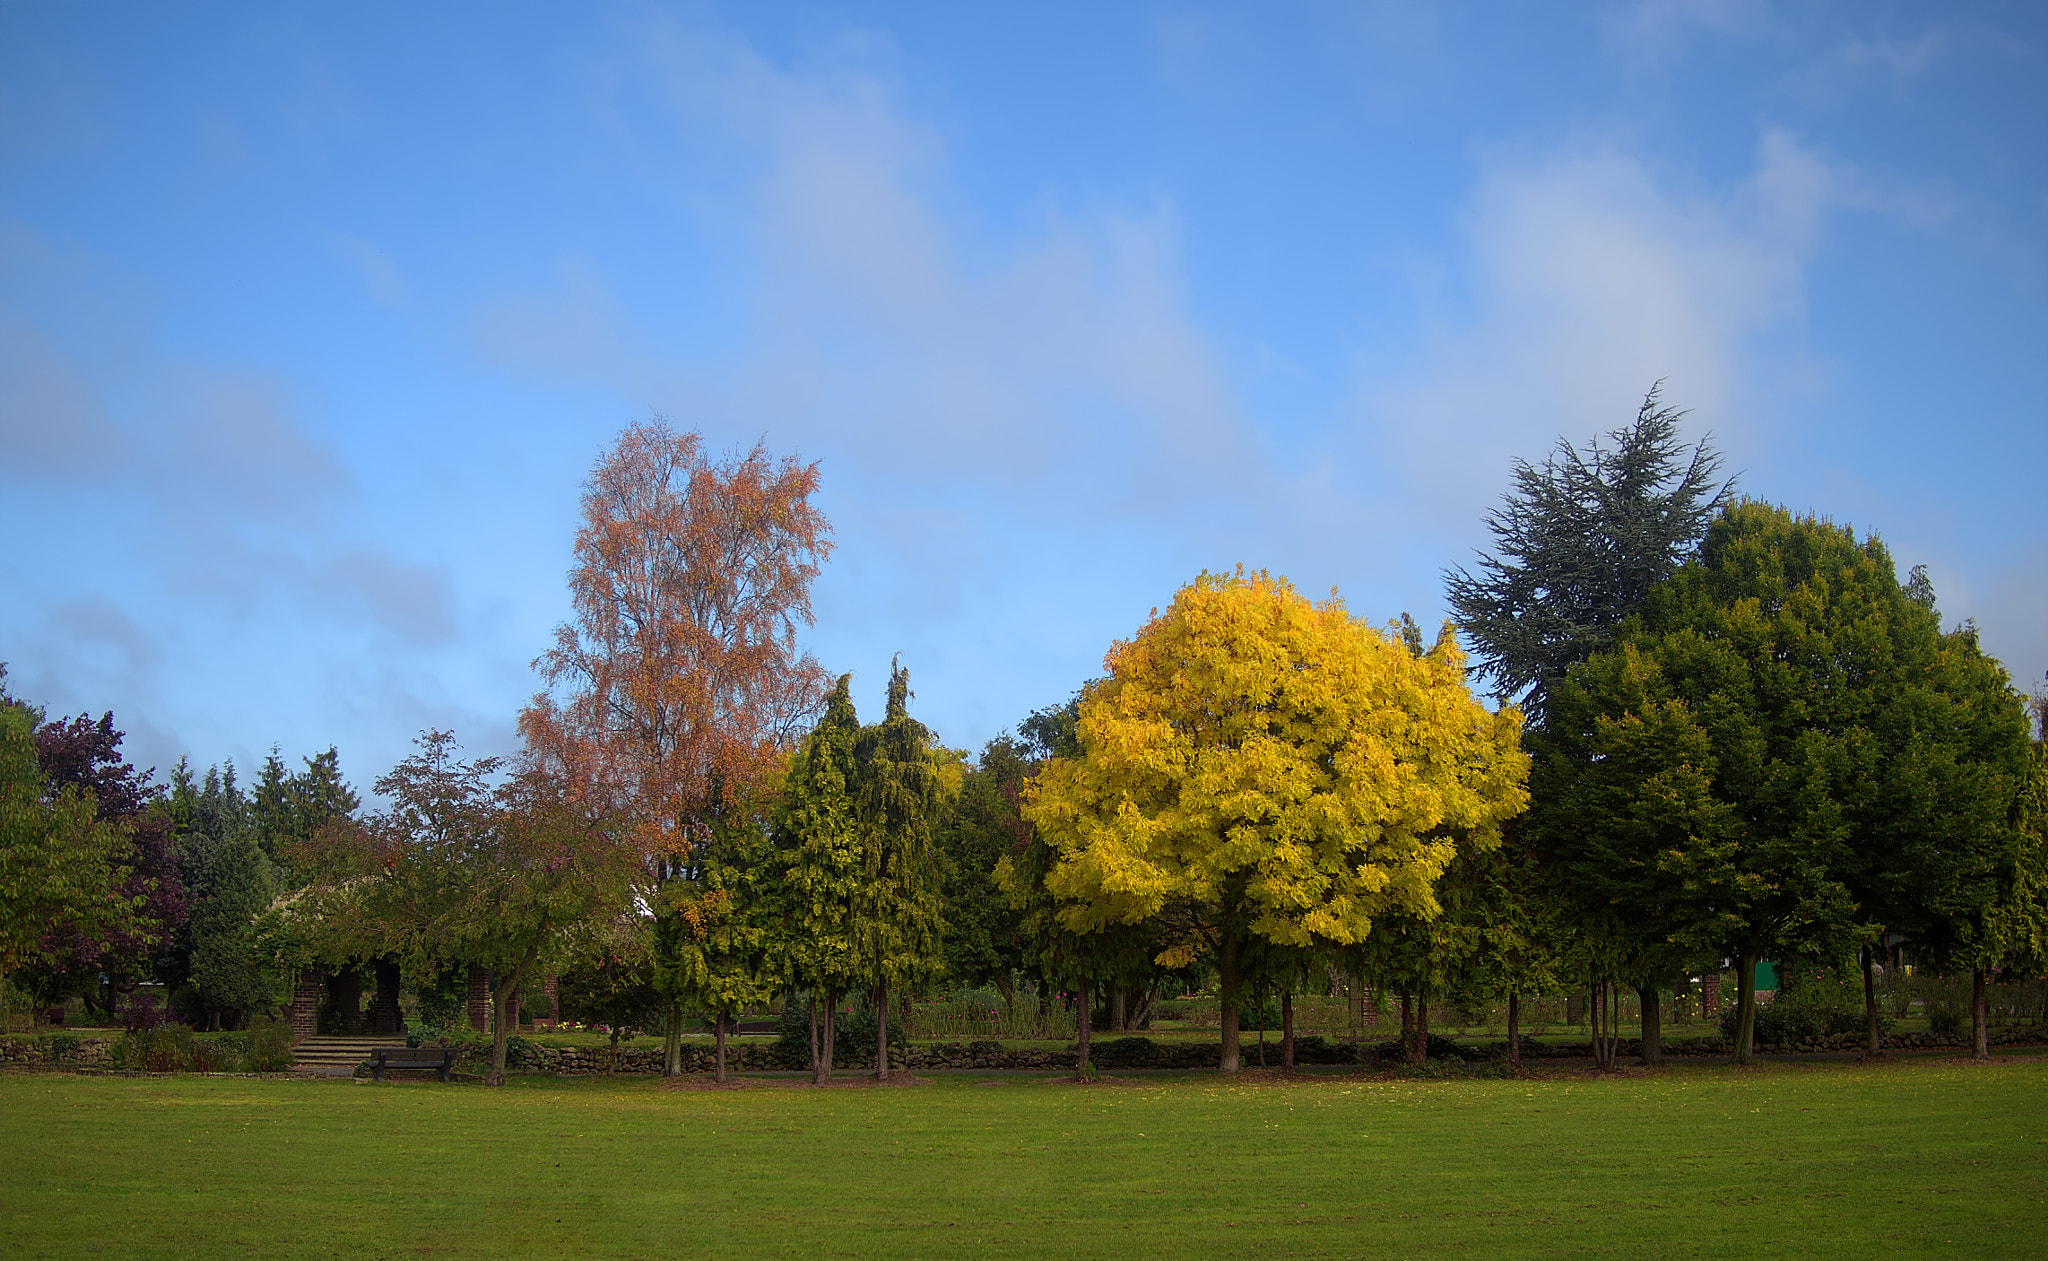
(313, 318)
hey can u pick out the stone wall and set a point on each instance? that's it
(56, 1048)
(1716, 1045)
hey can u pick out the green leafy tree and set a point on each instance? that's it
(230, 881)
(982, 945)
(289, 806)
(85, 754)
(1945, 855)
(897, 910)
(712, 942)
(1708, 779)
(465, 867)
(58, 859)
(821, 848)
(610, 980)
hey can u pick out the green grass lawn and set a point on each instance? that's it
(1920, 1158)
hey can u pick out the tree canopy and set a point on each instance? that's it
(1578, 543)
(1281, 768)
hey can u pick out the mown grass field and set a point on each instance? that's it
(1933, 1158)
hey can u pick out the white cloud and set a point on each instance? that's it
(1593, 275)
(882, 330)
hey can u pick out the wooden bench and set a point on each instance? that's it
(438, 1058)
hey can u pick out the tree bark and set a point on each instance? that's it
(1408, 1046)
(1082, 1011)
(1514, 1030)
(1142, 1018)
(831, 1028)
(1875, 1046)
(1980, 1017)
(1653, 1023)
(1595, 1008)
(718, 1064)
(1745, 1004)
(1119, 1009)
(1231, 980)
(882, 1032)
(811, 1002)
(1262, 1025)
(506, 998)
(672, 1040)
(1287, 1030)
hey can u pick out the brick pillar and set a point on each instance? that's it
(305, 1004)
(1710, 996)
(384, 1010)
(479, 1000)
(551, 988)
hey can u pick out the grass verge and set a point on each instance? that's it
(1922, 1158)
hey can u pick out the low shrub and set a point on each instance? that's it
(853, 1037)
(1439, 1048)
(58, 1045)
(163, 1048)
(444, 1004)
(267, 1046)
(141, 1012)
(1945, 1019)
(1806, 1015)
(1122, 1050)
(793, 1034)
(1260, 1014)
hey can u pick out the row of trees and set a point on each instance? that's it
(1721, 732)
(114, 878)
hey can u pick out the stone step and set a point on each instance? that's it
(338, 1056)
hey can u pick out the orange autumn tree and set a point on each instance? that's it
(679, 683)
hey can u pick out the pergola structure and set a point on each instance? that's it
(342, 986)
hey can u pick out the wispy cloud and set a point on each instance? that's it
(1593, 274)
(215, 509)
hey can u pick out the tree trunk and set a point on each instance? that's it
(672, 1041)
(1231, 980)
(612, 1065)
(1262, 1025)
(831, 1028)
(1875, 1047)
(1980, 1017)
(718, 1063)
(882, 1032)
(1514, 1030)
(1142, 1018)
(811, 1002)
(507, 1002)
(1594, 1009)
(1083, 1009)
(1653, 1023)
(1119, 1009)
(1287, 1031)
(1408, 1050)
(1745, 1004)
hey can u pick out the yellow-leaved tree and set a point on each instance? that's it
(1259, 767)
